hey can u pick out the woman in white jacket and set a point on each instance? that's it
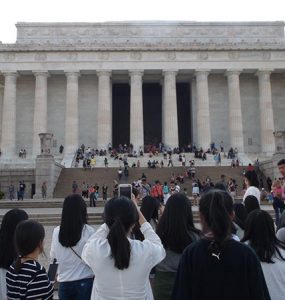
(122, 265)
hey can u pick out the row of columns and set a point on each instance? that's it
(169, 110)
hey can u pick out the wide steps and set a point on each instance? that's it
(108, 175)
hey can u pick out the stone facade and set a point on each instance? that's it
(58, 78)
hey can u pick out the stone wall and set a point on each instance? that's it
(250, 112)
(219, 110)
(25, 113)
(278, 100)
(8, 176)
(88, 102)
(56, 108)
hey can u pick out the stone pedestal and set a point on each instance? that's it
(270, 167)
(45, 165)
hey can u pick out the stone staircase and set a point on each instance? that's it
(48, 212)
(107, 175)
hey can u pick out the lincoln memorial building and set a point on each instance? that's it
(143, 83)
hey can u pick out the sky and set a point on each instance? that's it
(13, 11)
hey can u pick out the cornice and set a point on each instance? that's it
(129, 47)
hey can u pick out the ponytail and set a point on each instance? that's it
(120, 245)
(18, 264)
(216, 207)
(220, 222)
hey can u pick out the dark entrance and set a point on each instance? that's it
(121, 114)
(184, 113)
(152, 113)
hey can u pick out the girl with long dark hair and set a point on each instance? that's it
(217, 267)
(122, 265)
(74, 276)
(26, 278)
(260, 235)
(176, 230)
(7, 247)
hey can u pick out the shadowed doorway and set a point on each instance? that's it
(121, 114)
(184, 113)
(152, 113)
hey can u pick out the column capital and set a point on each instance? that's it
(104, 73)
(231, 72)
(261, 72)
(202, 72)
(172, 72)
(10, 73)
(72, 73)
(136, 73)
(41, 73)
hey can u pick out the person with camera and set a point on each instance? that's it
(122, 265)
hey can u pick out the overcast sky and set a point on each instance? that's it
(13, 11)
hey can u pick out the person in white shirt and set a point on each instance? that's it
(260, 235)
(74, 276)
(252, 185)
(121, 265)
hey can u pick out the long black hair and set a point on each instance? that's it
(29, 235)
(7, 247)
(216, 207)
(149, 208)
(260, 232)
(73, 219)
(251, 203)
(176, 227)
(252, 178)
(240, 215)
(120, 214)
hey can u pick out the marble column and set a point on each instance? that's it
(8, 141)
(40, 109)
(203, 109)
(235, 113)
(136, 111)
(266, 112)
(104, 127)
(71, 112)
(169, 108)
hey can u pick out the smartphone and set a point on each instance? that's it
(125, 190)
(52, 271)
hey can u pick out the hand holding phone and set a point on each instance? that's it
(125, 190)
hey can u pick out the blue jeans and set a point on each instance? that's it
(76, 290)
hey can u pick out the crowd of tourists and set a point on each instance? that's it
(151, 252)
(121, 153)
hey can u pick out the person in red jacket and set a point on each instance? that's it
(156, 191)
